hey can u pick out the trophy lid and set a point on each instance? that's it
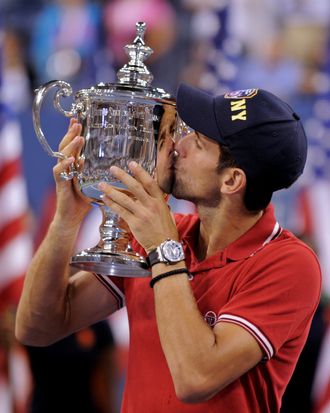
(135, 72)
(134, 77)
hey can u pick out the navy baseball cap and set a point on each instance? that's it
(263, 133)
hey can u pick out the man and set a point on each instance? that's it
(230, 306)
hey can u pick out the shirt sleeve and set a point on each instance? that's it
(116, 285)
(276, 295)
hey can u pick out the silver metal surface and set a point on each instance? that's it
(112, 264)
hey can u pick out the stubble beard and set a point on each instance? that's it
(180, 190)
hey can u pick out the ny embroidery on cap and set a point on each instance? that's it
(238, 106)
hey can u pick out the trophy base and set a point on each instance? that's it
(102, 262)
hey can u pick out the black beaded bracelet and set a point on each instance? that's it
(167, 274)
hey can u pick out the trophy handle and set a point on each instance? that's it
(64, 89)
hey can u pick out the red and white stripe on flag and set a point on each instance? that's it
(15, 241)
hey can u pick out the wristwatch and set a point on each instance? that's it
(168, 252)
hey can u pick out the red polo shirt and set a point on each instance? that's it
(267, 281)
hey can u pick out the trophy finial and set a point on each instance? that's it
(140, 31)
(135, 72)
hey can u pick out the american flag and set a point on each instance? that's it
(15, 254)
(15, 241)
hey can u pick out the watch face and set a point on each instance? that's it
(172, 251)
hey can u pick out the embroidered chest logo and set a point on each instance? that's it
(211, 318)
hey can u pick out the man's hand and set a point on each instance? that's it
(71, 205)
(146, 213)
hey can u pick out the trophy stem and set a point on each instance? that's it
(113, 252)
(114, 237)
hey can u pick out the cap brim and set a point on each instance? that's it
(196, 109)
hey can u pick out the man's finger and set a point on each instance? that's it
(122, 211)
(73, 131)
(132, 185)
(74, 147)
(141, 185)
(62, 166)
(147, 181)
(119, 197)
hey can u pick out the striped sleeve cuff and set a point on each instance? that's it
(112, 288)
(252, 329)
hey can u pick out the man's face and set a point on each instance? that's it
(165, 150)
(196, 170)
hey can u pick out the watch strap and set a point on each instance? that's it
(153, 257)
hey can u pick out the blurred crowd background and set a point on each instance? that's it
(218, 45)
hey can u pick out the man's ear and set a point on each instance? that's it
(233, 181)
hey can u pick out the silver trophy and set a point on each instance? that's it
(120, 123)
